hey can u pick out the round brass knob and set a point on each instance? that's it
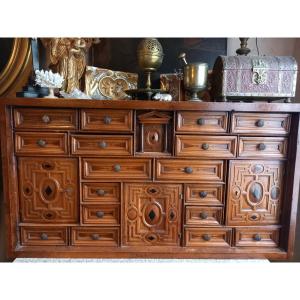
(100, 192)
(200, 121)
(46, 119)
(188, 170)
(206, 237)
(205, 146)
(203, 215)
(260, 123)
(100, 214)
(44, 236)
(261, 146)
(117, 168)
(95, 236)
(41, 143)
(257, 237)
(102, 144)
(202, 194)
(107, 120)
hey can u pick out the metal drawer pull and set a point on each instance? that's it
(95, 236)
(205, 146)
(102, 144)
(203, 215)
(41, 143)
(107, 120)
(261, 146)
(100, 214)
(260, 123)
(202, 194)
(206, 237)
(257, 237)
(188, 170)
(44, 236)
(100, 192)
(117, 168)
(46, 119)
(200, 121)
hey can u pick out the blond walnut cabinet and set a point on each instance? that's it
(86, 178)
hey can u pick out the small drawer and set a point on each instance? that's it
(95, 236)
(257, 123)
(101, 214)
(41, 143)
(35, 118)
(44, 236)
(101, 192)
(106, 120)
(273, 147)
(189, 170)
(204, 194)
(207, 237)
(257, 236)
(206, 146)
(201, 122)
(105, 145)
(116, 169)
(203, 216)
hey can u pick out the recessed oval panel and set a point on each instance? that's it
(48, 189)
(152, 214)
(255, 192)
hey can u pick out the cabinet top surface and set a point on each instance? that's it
(142, 104)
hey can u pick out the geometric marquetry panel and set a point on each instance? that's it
(255, 192)
(152, 214)
(48, 190)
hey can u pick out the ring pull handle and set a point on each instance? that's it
(202, 194)
(102, 144)
(100, 192)
(41, 143)
(260, 123)
(200, 121)
(95, 237)
(206, 237)
(205, 146)
(107, 120)
(188, 170)
(257, 237)
(203, 215)
(100, 214)
(46, 119)
(44, 236)
(261, 146)
(117, 168)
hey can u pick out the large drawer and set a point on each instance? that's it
(201, 122)
(44, 236)
(116, 169)
(257, 236)
(257, 123)
(203, 216)
(95, 236)
(100, 192)
(103, 145)
(41, 143)
(189, 170)
(206, 146)
(106, 120)
(36, 118)
(207, 237)
(101, 214)
(273, 147)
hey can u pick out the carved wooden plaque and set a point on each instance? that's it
(152, 214)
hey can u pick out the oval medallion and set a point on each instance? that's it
(275, 192)
(48, 189)
(152, 214)
(132, 214)
(255, 193)
(152, 137)
(256, 169)
(151, 237)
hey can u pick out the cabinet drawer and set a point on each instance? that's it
(102, 145)
(101, 192)
(189, 170)
(205, 216)
(116, 169)
(201, 122)
(35, 118)
(41, 143)
(257, 236)
(257, 123)
(214, 237)
(263, 147)
(95, 236)
(106, 120)
(101, 214)
(204, 194)
(206, 146)
(47, 236)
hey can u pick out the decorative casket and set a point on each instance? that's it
(254, 78)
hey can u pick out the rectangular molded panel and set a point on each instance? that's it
(203, 216)
(108, 214)
(99, 192)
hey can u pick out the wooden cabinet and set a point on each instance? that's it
(150, 179)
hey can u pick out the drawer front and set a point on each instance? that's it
(106, 120)
(203, 216)
(207, 237)
(205, 146)
(116, 169)
(189, 170)
(101, 214)
(100, 192)
(43, 236)
(257, 123)
(201, 122)
(35, 118)
(39, 143)
(95, 236)
(257, 236)
(274, 147)
(204, 194)
(102, 145)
